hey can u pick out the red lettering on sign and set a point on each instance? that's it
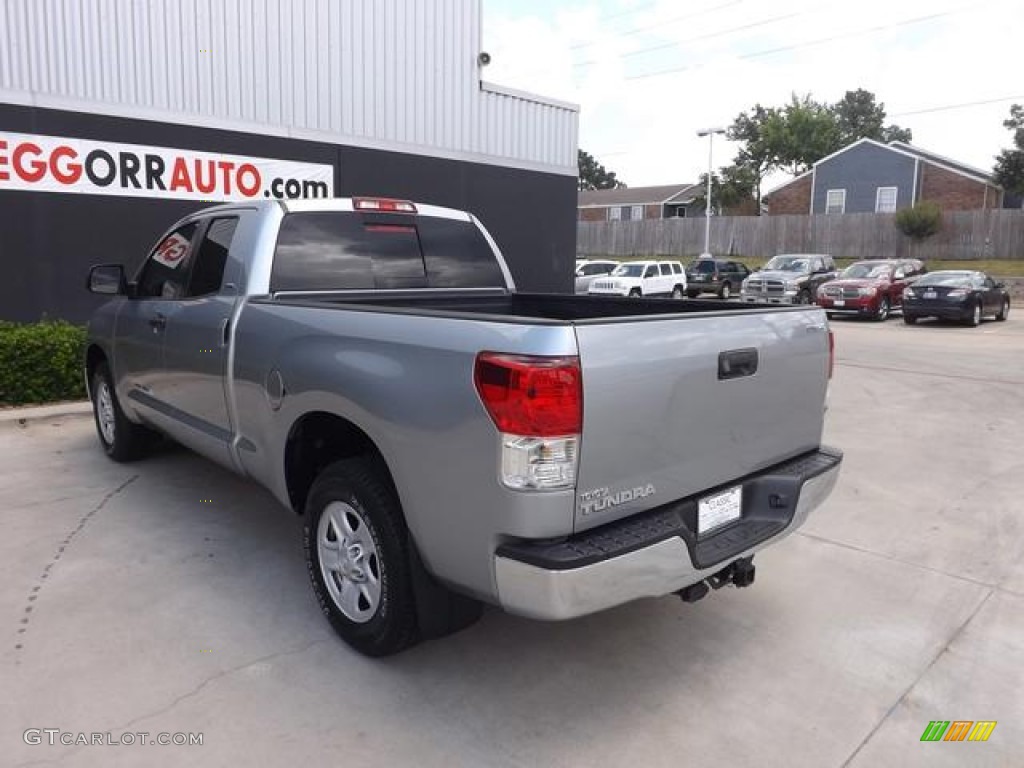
(179, 176)
(208, 185)
(249, 190)
(36, 168)
(71, 172)
(226, 167)
(4, 175)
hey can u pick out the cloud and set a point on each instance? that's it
(643, 127)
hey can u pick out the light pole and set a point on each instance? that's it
(710, 133)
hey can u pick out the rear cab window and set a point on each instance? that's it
(347, 250)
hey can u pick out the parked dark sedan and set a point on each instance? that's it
(720, 276)
(956, 295)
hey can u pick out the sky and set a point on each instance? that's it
(648, 74)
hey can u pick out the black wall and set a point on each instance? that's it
(48, 240)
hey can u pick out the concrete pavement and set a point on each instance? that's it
(169, 596)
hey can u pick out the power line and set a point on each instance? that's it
(962, 105)
(810, 43)
(709, 36)
(665, 23)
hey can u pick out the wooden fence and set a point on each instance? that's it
(989, 234)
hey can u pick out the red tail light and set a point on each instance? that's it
(535, 396)
(831, 353)
(384, 205)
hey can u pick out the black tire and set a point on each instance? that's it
(692, 294)
(909, 319)
(804, 297)
(122, 439)
(975, 319)
(357, 494)
(882, 313)
(635, 293)
(725, 291)
(1004, 311)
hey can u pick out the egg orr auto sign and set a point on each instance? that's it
(36, 163)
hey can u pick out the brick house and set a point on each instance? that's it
(633, 203)
(870, 177)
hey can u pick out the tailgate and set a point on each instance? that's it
(661, 421)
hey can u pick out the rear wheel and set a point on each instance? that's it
(677, 292)
(123, 440)
(357, 553)
(975, 319)
(725, 291)
(1004, 311)
(882, 313)
(909, 319)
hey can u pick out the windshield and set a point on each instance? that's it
(703, 266)
(868, 270)
(953, 279)
(789, 264)
(629, 270)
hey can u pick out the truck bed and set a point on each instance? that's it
(527, 307)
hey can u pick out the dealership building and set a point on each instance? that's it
(119, 116)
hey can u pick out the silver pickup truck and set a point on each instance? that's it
(451, 442)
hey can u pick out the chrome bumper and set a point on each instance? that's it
(653, 571)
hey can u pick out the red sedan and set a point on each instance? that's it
(869, 288)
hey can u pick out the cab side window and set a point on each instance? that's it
(165, 271)
(665, 269)
(212, 255)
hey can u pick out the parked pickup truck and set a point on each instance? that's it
(791, 278)
(448, 440)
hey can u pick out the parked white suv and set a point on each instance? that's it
(643, 278)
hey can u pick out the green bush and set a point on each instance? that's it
(921, 221)
(41, 362)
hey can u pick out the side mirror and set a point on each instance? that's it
(1000, 286)
(107, 279)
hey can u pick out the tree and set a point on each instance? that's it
(859, 116)
(1009, 167)
(593, 175)
(921, 221)
(756, 157)
(806, 132)
(731, 187)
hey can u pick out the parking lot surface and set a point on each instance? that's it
(169, 596)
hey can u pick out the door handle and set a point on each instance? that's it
(158, 322)
(737, 363)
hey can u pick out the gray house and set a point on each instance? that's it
(870, 177)
(634, 203)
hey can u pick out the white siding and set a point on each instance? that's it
(369, 72)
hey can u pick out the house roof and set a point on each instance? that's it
(904, 149)
(600, 198)
(785, 184)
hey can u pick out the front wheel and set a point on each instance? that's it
(122, 440)
(725, 292)
(804, 297)
(1004, 311)
(909, 319)
(975, 319)
(882, 313)
(357, 553)
(692, 294)
(635, 293)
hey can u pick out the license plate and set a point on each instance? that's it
(929, 294)
(839, 303)
(715, 511)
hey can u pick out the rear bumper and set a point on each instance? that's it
(656, 552)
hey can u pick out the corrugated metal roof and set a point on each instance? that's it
(633, 195)
(398, 72)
